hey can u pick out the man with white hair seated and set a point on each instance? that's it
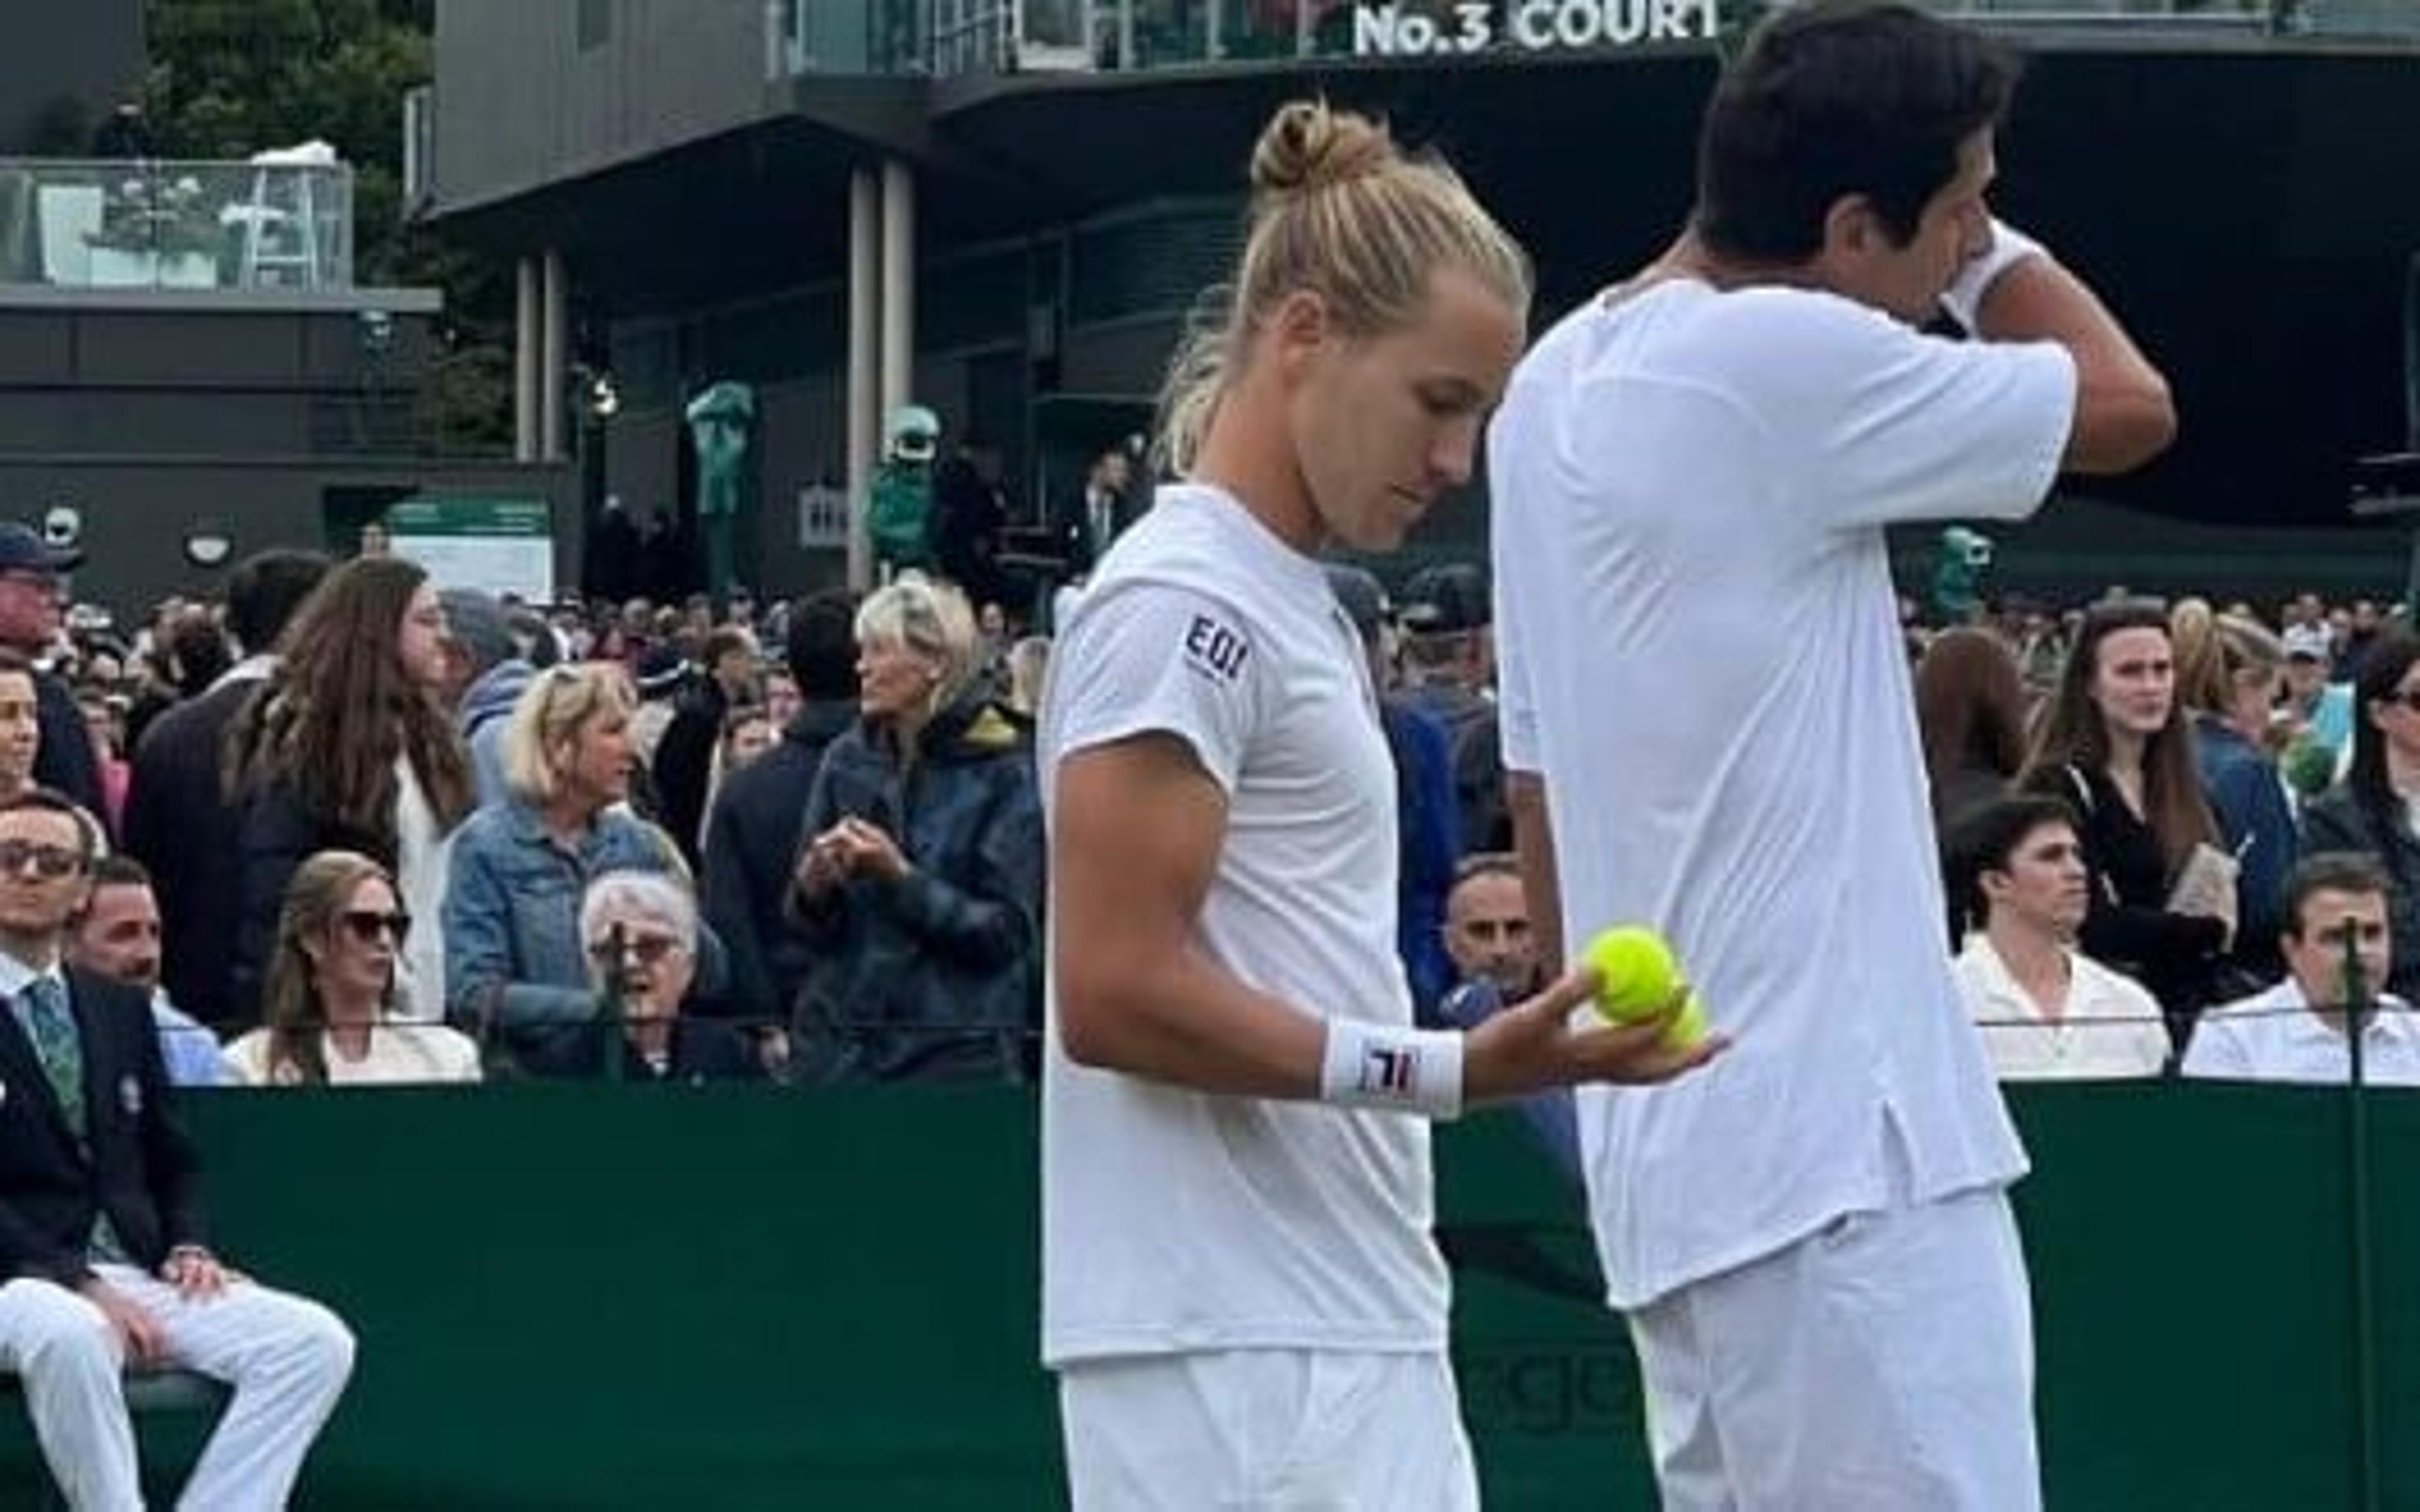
(640, 932)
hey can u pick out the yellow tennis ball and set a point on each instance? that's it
(1688, 1029)
(1636, 973)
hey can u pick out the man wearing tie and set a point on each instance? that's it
(103, 1265)
(1103, 514)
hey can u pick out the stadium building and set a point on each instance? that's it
(1004, 210)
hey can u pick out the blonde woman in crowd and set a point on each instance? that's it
(331, 1006)
(919, 885)
(514, 962)
(2230, 673)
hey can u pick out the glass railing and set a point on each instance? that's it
(957, 37)
(176, 225)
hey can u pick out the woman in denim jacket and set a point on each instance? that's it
(514, 968)
(919, 888)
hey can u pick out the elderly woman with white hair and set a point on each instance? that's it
(918, 887)
(640, 933)
(515, 968)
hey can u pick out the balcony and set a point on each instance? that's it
(264, 225)
(947, 37)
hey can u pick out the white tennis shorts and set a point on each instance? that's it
(1267, 1430)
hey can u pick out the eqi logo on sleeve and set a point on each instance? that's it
(1213, 648)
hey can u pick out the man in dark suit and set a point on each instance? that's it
(178, 823)
(753, 834)
(1091, 523)
(103, 1262)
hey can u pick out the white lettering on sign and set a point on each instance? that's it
(1390, 30)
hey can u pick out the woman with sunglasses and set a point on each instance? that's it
(345, 747)
(2374, 808)
(515, 965)
(640, 931)
(330, 1008)
(2114, 743)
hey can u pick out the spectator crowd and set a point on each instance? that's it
(364, 829)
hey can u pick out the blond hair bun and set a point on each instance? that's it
(1307, 147)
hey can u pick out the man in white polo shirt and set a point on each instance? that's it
(1240, 1292)
(2047, 1011)
(1695, 471)
(2297, 1032)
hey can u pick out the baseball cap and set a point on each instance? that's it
(2309, 643)
(1444, 600)
(22, 549)
(1364, 599)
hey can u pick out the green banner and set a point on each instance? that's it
(609, 1297)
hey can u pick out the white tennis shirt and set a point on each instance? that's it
(1701, 654)
(1175, 1220)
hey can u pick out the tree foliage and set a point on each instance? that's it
(229, 78)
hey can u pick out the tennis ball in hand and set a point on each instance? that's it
(1637, 976)
(1636, 973)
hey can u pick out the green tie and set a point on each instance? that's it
(54, 1041)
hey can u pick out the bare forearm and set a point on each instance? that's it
(1187, 1022)
(2124, 414)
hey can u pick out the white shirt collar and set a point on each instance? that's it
(16, 975)
(2393, 1021)
(251, 670)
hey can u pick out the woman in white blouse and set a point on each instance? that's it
(331, 999)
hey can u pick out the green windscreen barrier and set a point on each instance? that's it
(629, 1296)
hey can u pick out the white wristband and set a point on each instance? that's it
(1401, 1070)
(2010, 247)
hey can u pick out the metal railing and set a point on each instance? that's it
(90, 224)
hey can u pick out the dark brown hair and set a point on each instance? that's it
(1970, 706)
(329, 723)
(2073, 734)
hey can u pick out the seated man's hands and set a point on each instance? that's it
(146, 1342)
(194, 1272)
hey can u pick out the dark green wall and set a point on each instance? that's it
(627, 1297)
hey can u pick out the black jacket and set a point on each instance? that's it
(932, 977)
(684, 764)
(179, 825)
(275, 835)
(64, 760)
(2335, 821)
(703, 1050)
(136, 1162)
(752, 838)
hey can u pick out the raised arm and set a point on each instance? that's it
(2124, 415)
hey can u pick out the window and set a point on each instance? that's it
(595, 24)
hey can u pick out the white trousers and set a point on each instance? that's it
(1884, 1365)
(1267, 1430)
(286, 1358)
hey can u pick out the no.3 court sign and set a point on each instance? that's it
(1397, 29)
